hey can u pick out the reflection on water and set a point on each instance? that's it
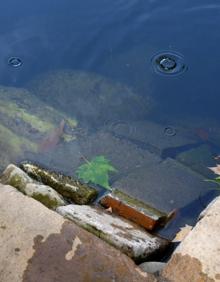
(85, 86)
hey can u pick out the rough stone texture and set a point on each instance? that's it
(124, 235)
(133, 209)
(198, 256)
(166, 185)
(68, 187)
(37, 244)
(152, 266)
(17, 178)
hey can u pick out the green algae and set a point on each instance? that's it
(68, 187)
(16, 143)
(46, 200)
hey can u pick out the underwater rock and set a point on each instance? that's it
(92, 98)
(25, 122)
(17, 178)
(68, 187)
(134, 210)
(198, 159)
(122, 234)
(166, 185)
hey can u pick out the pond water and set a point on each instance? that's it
(138, 81)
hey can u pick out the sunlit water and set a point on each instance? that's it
(159, 130)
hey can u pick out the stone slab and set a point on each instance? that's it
(198, 256)
(166, 185)
(122, 234)
(133, 209)
(158, 136)
(17, 178)
(38, 244)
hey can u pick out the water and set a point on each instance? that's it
(94, 60)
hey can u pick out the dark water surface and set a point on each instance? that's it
(95, 62)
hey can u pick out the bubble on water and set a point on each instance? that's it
(168, 63)
(15, 62)
(169, 131)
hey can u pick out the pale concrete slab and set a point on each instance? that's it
(122, 234)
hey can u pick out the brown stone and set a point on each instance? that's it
(197, 258)
(37, 244)
(184, 268)
(134, 210)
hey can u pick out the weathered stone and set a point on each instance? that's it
(152, 266)
(38, 244)
(17, 178)
(44, 194)
(198, 256)
(91, 97)
(134, 210)
(166, 185)
(68, 187)
(22, 127)
(124, 235)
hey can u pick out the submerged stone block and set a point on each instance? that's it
(166, 185)
(122, 234)
(17, 178)
(134, 210)
(68, 187)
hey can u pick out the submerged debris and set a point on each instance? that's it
(68, 187)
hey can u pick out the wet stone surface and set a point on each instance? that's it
(122, 234)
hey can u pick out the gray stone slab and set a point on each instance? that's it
(157, 136)
(166, 185)
(124, 155)
(124, 235)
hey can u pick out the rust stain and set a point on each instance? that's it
(52, 139)
(184, 268)
(93, 260)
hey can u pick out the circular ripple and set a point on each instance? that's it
(14, 62)
(168, 63)
(169, 131)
